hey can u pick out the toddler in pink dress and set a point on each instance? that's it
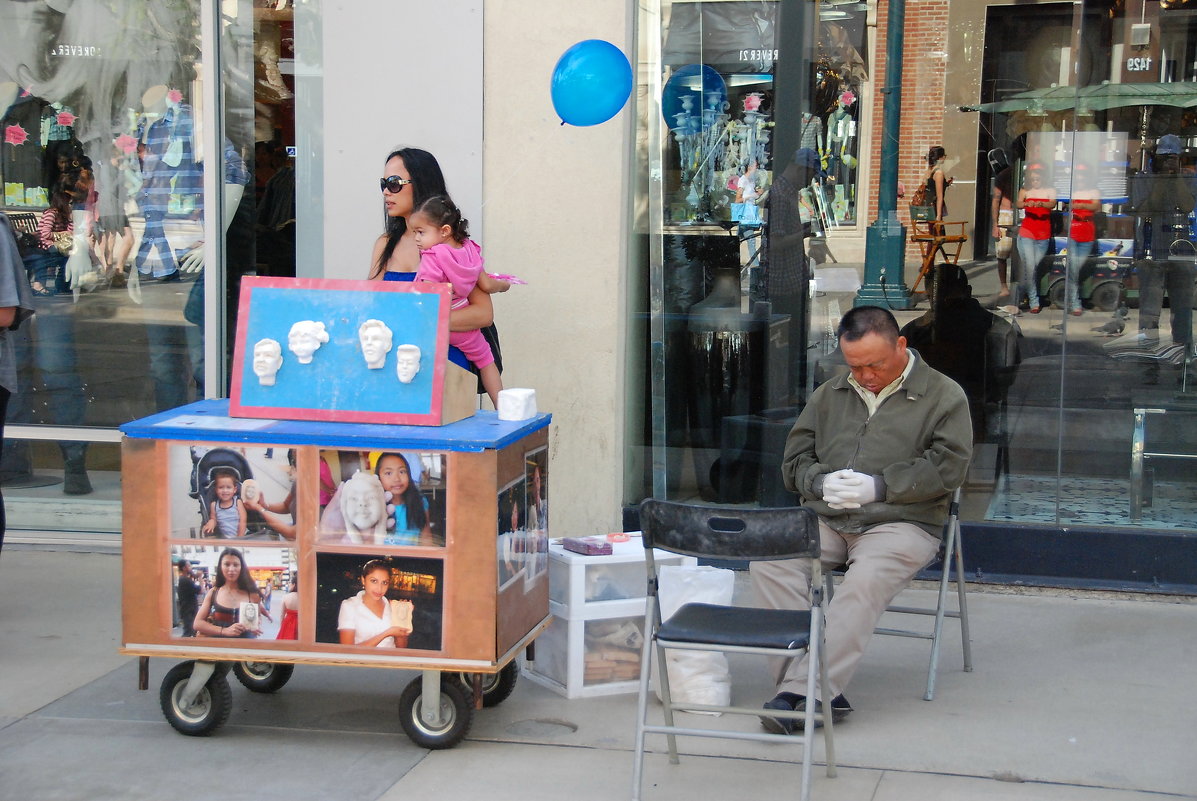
(449, 256)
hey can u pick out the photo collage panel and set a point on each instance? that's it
(523, 523)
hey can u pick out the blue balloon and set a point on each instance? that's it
(697, 86)
(591, 83)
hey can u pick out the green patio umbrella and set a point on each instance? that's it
(1095, 97)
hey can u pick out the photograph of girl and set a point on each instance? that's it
(373, 601)
(225, 589)
(225, 492)
(383, 499)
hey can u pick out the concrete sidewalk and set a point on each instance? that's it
(1072, 698)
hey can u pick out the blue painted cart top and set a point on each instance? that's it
(209, 421)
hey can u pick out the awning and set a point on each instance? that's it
(1096, 97)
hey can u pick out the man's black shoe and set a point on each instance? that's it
(839, 708)
(789, 701)
(786, 702)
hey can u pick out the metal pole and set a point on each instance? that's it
(885, 241)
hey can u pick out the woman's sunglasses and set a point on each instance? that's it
(393, 183)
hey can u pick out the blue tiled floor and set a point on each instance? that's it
(1092, 502)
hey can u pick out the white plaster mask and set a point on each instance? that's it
(305, 338)
(268, 359)
(407, 362)
(363, 507)
(375, 339)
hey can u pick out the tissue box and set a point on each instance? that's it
(589, 546)
(517, 404)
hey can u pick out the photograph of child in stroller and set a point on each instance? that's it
(221, 467)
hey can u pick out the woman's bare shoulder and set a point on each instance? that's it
(375, 255)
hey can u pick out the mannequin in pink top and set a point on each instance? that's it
(449, 256)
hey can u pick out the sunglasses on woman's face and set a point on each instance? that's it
(393, 183)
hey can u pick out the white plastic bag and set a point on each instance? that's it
(697, 677)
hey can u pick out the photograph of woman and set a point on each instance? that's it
(371, 619)
(220, 613)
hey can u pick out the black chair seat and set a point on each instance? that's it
(739, 626)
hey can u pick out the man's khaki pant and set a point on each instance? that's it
(881, 563)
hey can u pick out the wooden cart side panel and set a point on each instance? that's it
(470, 567)
(521, 606)
(144, 559)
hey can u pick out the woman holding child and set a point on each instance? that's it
(410, 178)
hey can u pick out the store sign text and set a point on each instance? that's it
(758, 55)
(75, 51)
(1138, 64)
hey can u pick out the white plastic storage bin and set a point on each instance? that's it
(592, 646)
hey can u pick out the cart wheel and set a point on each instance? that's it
(1106, 296)
(495, 686)
(203, 716)
(263, 677)
(456, 714)
(1055, 294)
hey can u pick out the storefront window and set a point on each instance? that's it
(1095, 424)
(741, 175)
(110, 132)
(1070, 330)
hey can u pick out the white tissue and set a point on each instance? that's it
(517, 404)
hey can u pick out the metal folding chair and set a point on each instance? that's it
(733, 535)
(950, 552)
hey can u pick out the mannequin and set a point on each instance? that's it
(168, 167)
(841, 133)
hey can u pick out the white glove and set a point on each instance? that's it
(849, 486)
(193, 260)
(832, 486)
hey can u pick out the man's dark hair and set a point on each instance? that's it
(868, 320)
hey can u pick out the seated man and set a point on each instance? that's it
(877, 454)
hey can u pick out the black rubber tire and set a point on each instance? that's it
(263, 677)
(1055, 294)
(456, 710)
(496, 687)
(210, 710)
(1106, 296)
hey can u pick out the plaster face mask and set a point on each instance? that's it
(407, 363)
(363, 506)
(268, 358)
(305, 339)
(375, 339)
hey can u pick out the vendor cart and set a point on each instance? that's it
(475, 574)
